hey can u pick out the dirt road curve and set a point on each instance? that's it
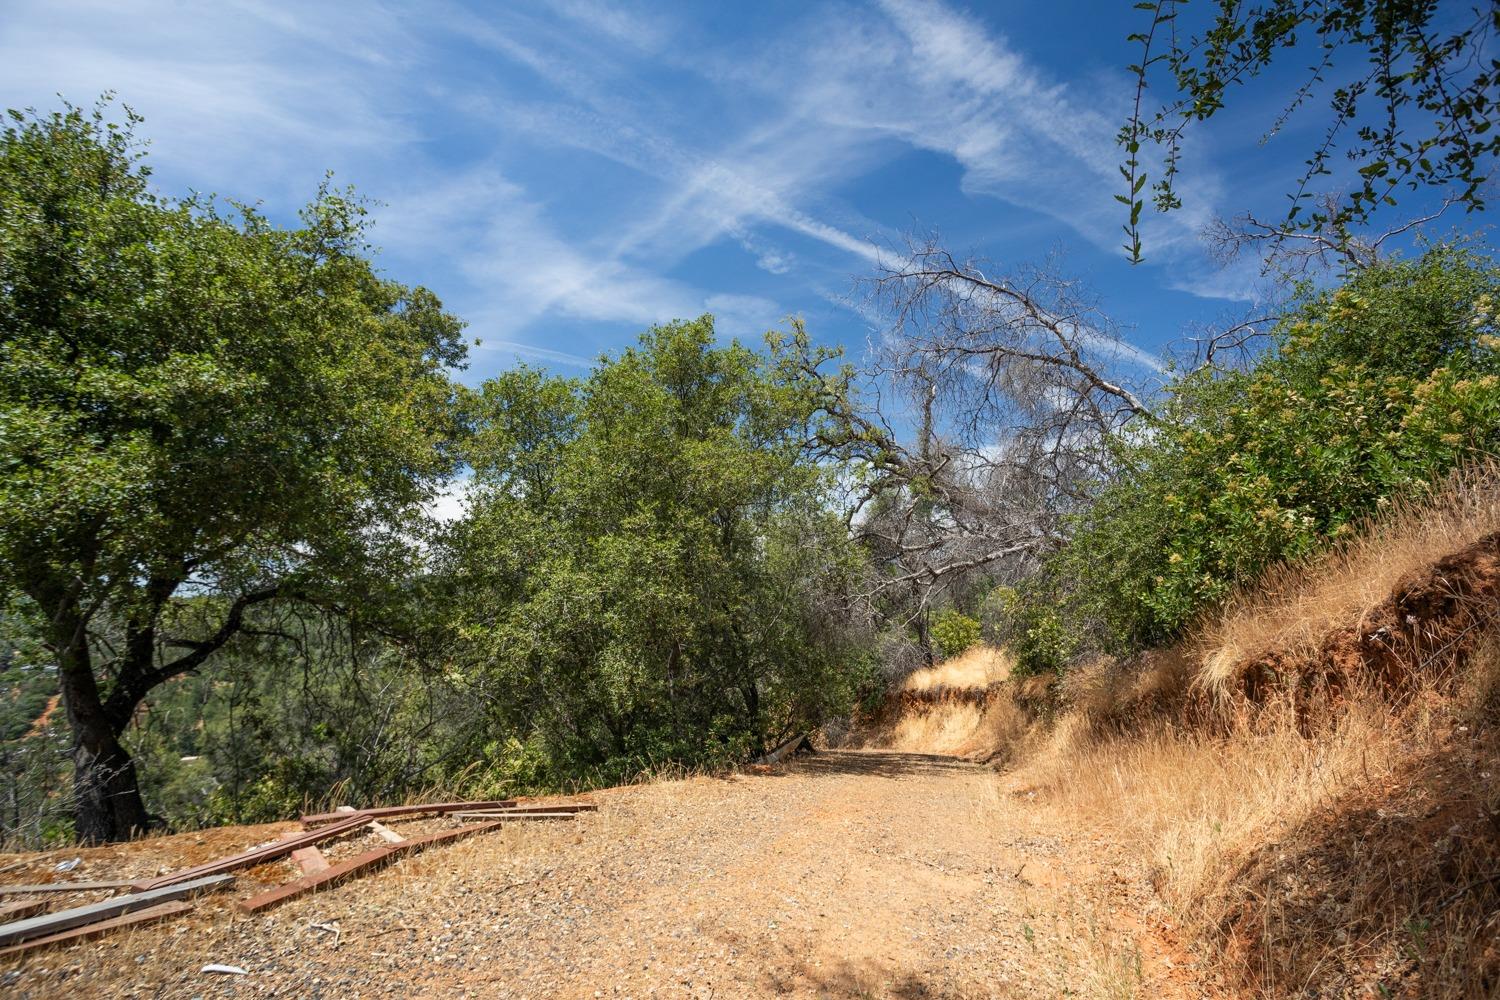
(847, 874)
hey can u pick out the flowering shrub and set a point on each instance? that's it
(1368, 390)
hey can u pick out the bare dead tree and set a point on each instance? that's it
(1288, 252)
(1014, 383)
(1292, 250)
(1232, 346)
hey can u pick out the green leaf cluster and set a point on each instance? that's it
(182, 388)
(1371, 389)
(650, 571)
(954, 631)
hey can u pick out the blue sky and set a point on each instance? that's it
(564, 174)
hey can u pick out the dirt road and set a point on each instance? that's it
(851, 873)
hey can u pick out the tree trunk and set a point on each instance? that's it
(750, 691)
(107, 798)
(924, 637)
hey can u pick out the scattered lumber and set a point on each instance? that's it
(531, 809)
(361, 864)
(150, 914)
(52, 923)
(64, 886)
(553, 807)
(514, 816)
(310, 860)
(22, 909)
(386, 812)
(386, 833)
(258, 855)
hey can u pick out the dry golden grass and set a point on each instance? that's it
(956, 708)
(1293, 609)
(976, 667)
(1332, 846)
(1332, 843)
(1351, 850)
(944, 727)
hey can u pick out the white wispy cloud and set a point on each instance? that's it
(259, 99)
(647, 33)
(242, 98)
(519, 268)
(933, 77)
(255, 97)
(531, 352)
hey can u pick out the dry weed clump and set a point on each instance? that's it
(968, 706)
(937, 727)
(1361, 855)
(1111, 695)
(976, 668)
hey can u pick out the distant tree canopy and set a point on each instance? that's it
(1410, 86)
(199, 413)
(652, 569)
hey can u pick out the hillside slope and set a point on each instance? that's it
(1302, 800)
(1311, 779)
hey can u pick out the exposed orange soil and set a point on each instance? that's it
(42, 721)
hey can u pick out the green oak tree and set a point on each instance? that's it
(651, 569)
(200, 413)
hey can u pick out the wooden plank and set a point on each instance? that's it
(789, 747)
(310, 860)
(386, 833)
(22, 909)
(531, 809)
(52, 923)
(505, 816)
(64, 887)
(150, 914)
(359, 865)
(551, 807)
(385, 812)
(257, 855)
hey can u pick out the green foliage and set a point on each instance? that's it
(181, 385)
(193, 400)
(1028, 621)
(650, 570)
(28, 683)
(216, 437)
(1372, 388)
(1410, 94)
(954, 631)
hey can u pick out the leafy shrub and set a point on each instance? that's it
(1369, 389)
(954, 631)
(1028, 621)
